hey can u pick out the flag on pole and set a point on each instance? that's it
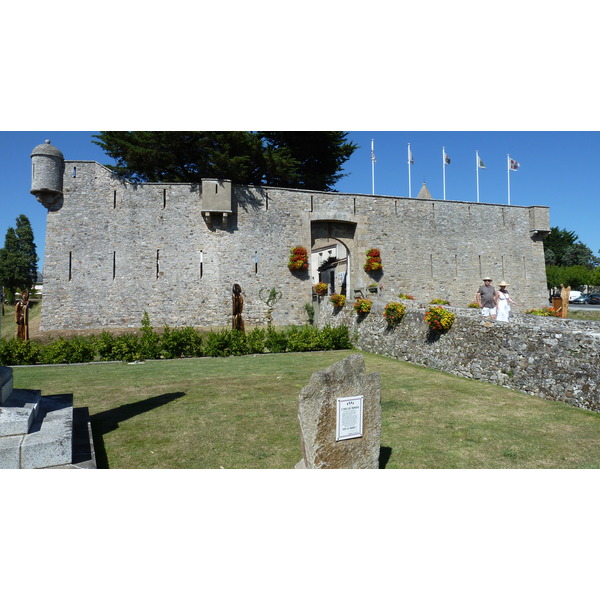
(514, 165)
(481, 165)
(410, 156)
(446, 159)
(373, 151)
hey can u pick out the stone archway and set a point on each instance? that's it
(332, 247)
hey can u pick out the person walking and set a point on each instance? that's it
(486, 298)
(503, 302)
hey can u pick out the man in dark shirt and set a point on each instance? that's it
(486, 298)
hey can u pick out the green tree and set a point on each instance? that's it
(562, 249)
(305, 159)
(18, 258)
(575, 276)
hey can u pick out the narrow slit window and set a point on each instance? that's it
(157, 264)
(74, 171)
(266, 201)
(115, 199)
(70, 265)
(256, 262)
(114, 264)
(312, 205)
(164, 198)
(354, 202)
(201, 264)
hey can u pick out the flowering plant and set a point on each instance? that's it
(338, 300)
(320, 288)
(373, 260)
(545, 311)
(406, 296)
(473, 305)
(393, 313)
(298, 259)
(439, 319)
(439, 301)
(363, 306)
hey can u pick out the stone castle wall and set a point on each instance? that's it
(116, 249)
(552, 358)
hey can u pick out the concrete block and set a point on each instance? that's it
(18, 412)
(10, 452)
(49, 442)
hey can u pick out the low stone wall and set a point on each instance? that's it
(553, 358)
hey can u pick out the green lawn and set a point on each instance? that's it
(241, 412)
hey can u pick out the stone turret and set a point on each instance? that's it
(47, 175)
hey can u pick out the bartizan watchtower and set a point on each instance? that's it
(48, 165)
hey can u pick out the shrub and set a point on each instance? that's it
(74, 350)
(276, 340)
(19, 352)
(149, 346)
(124, 347)
(335, 338)
(255, 340)
(179, 343)
(393, 313)
(439, 301)
(303, 339)
(310, 311)
(473, 305)
(439, 319)
(363, 306)
(406, 296)
(338, 300)
(217, 343)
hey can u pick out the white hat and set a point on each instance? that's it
(503, 283)
(487, 279)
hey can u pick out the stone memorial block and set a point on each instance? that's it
(340, 417)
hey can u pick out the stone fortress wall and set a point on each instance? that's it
(553, 358)
(115, 249)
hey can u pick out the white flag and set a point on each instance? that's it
(481, 165)
(446, 159)
(410, 157)
(514, 165)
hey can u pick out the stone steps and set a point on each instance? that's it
(39, 432)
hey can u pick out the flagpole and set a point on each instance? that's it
(477, 171)
(409, 186)
(508, 174)
(444, 169)
(373, 167)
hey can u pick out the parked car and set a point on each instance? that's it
(581, 299)
(593, 299)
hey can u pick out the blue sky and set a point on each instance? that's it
(557, 169)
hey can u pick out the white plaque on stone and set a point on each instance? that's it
(349, 423)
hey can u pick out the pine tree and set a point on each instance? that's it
(296, 159)
(18, 258)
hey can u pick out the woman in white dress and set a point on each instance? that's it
(503, 302)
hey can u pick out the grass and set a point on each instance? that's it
(584, 315)
(241, 412)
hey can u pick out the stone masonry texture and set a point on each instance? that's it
(116, 249)
(549, 357)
